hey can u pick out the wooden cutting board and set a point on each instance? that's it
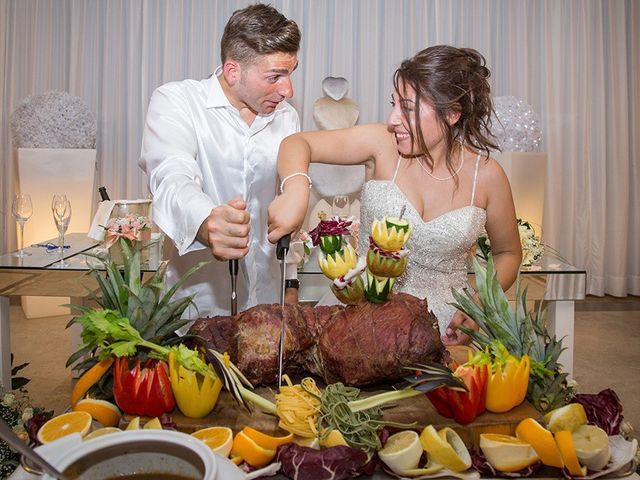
(416, 409)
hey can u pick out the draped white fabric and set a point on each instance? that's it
(576, 63)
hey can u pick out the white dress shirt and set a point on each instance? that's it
(198, 153)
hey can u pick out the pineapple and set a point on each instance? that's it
(146, 305)
(520, 331)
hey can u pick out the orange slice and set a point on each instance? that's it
(567, 449)
(218, 439)
(89, 379)
(252, 453)
(101, 411)
(541, 440)
(65, 424)
(267, 441)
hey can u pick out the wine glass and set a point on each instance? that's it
(22, 210)
(61, 208)
(341, 206)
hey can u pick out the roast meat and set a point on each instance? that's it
(358, 345)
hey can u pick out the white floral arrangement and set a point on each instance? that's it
(532, 246)
(53, 120)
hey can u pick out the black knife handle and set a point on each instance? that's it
(233, 267)
(283, 246)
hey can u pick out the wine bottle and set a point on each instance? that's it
(103, 193)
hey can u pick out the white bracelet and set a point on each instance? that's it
(295, 175)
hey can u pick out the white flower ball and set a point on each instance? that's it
(516, 125)
(53, 120)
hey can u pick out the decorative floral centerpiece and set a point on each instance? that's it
(134, 228)
(131, 229)
(532, 246)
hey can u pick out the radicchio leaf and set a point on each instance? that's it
(603, 409)
(335, 226)
(335, 463)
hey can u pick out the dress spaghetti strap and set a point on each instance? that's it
(475, 177)
(395, 174)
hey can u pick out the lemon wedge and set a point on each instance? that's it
(445, 448)
(507, 453)
(567, 449)
(569, 417)
(402, 451)
(592, 446)
(542, 441)
(134, 424)
(153, 424)
(332, 439)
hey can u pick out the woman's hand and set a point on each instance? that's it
(286, 214)
(453, 336)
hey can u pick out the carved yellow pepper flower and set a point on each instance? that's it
(339, 263)
(196, 394)
(507, 385)
(389, 236)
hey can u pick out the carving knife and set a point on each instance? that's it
(281, 254)
(233, 270)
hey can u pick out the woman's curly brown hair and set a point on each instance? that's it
(451, 80)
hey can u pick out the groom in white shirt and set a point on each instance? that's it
(209, 149)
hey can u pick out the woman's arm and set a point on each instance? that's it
(501, 226)
(362, 144)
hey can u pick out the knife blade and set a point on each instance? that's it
(233, 271)
(281, 254)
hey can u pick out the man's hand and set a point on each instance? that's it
(226, 230)
(453, 336)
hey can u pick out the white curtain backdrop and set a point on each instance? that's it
(575, 62)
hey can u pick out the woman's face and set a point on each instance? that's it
(402, 122)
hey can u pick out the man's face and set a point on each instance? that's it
(266, 82)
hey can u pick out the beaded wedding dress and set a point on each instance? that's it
(439, 248)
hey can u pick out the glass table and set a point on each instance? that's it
(557, 283)
(40, 274)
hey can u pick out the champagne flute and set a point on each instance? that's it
(61, 208)
(341, 206)
(22, 210)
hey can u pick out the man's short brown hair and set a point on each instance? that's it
(258, 30)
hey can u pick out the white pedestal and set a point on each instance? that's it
(43, 172)
(527, 173)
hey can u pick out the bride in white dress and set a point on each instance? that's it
(431, 157)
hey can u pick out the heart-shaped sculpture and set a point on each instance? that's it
(335, 87)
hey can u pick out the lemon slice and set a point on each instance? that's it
(402, 451)
(542, 441)
(312, 442)
(445, 448)
(569, 417)
(507, 453)
(592, 446)
(567, 449)
(100, 432)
